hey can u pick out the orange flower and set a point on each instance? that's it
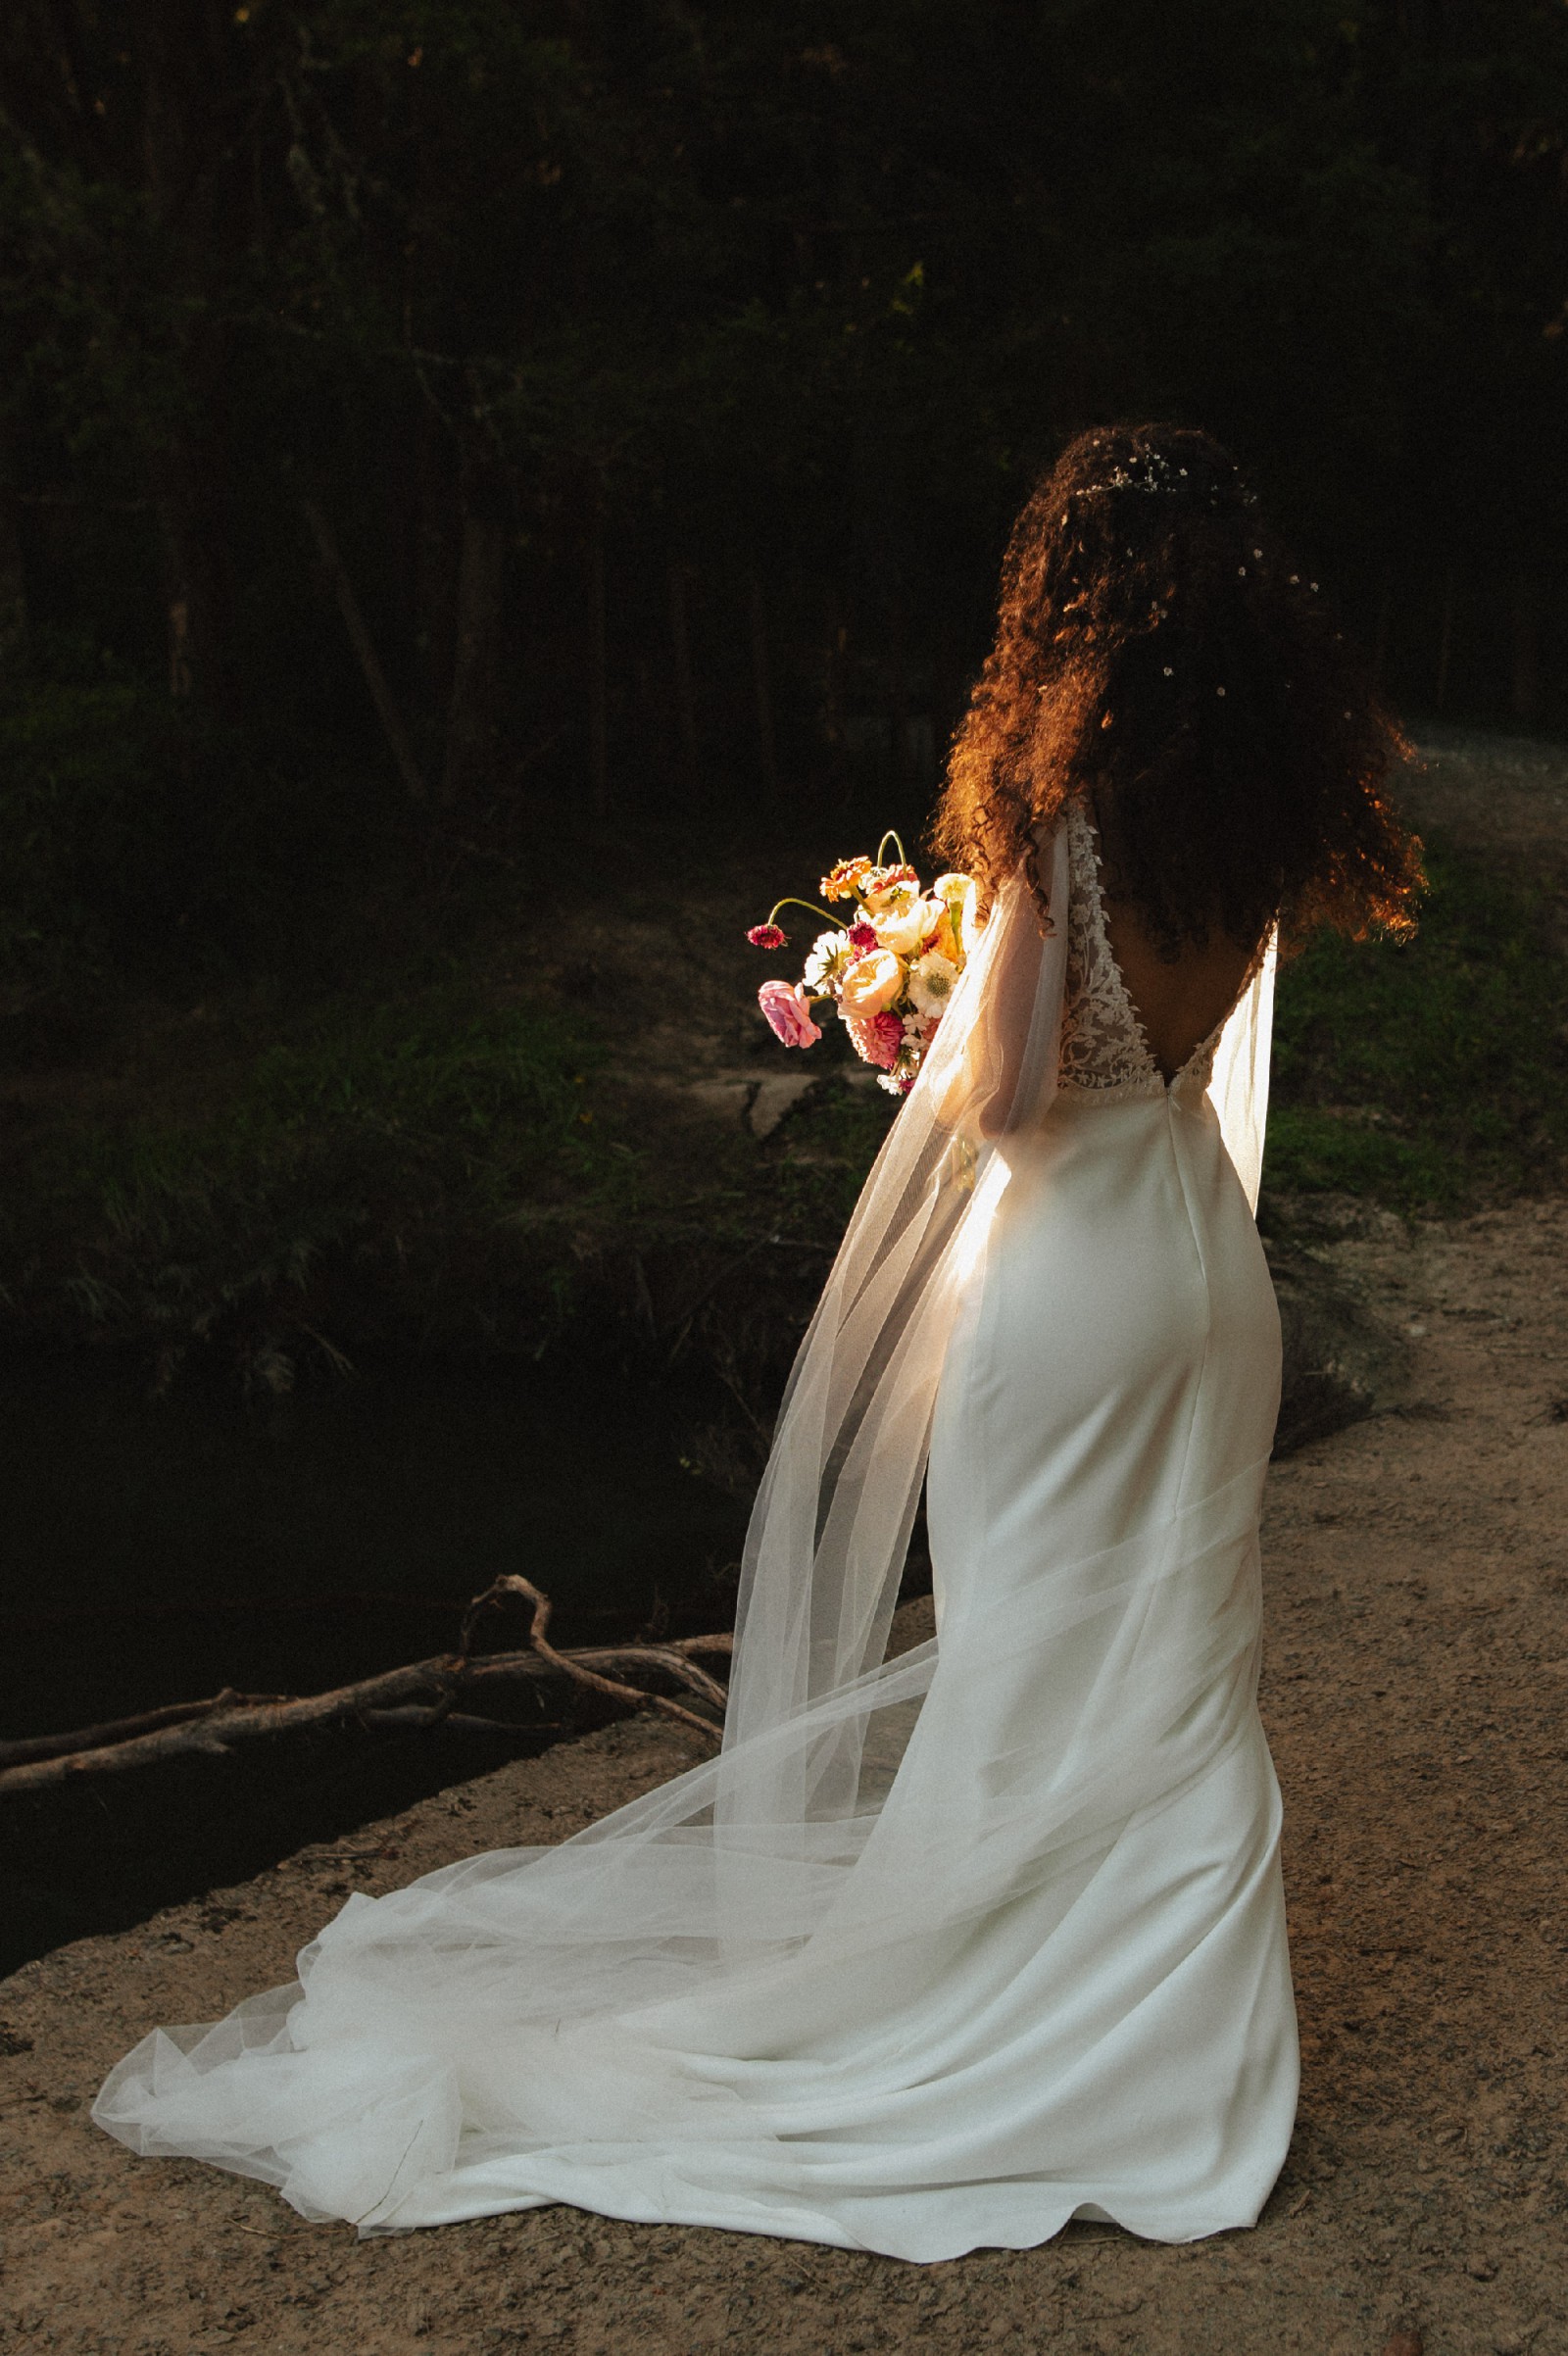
(944, 939)
(845, 878)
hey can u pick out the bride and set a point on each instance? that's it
(944, 1949)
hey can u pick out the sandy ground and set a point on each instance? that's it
(1417, 1671)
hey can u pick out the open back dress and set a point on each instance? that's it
(947, 1948)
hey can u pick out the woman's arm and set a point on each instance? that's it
(981, 1095)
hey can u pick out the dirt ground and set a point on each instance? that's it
(1415, 1679)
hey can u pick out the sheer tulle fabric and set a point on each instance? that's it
(896, 1968)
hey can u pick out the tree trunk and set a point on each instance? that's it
(179, 665)
(1444, 641)
(475, 668)
(1524, 667)
(13, 576)
(1380, 651)
(598, 672)
(947, 696)
(433, 557)
(680, 648)
(762, 691)
(184, 161)
(360, 639)
(899, 693)
(199, 597)
(835, 672)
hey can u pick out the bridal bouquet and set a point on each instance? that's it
(889, 964)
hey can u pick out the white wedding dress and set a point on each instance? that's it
(942, 1950)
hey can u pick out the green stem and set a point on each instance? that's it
(790, 902)
(891, 836)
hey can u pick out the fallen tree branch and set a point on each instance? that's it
(424, 1693)
(512, 1583)
(120, 1730)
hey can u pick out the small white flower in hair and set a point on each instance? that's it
(1219, 690)
(1169, 673)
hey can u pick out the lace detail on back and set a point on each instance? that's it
(1104, 1049)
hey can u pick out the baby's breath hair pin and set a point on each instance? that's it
(1154, 474)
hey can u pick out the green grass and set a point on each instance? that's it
(1429, 1074)
(423, 1160)
(406, 1133)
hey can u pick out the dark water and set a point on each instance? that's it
(159, 1550)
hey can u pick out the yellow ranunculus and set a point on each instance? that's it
(871, 983)
(959, 894)
(945, 939)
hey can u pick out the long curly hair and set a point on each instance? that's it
(1162, 657)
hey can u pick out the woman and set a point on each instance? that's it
(945, 1949)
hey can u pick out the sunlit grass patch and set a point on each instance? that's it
(1432, 1072)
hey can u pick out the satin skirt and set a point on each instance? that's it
(1036, 1970)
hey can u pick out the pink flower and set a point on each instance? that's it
(876, 1038)
(766, 936)
(861, 936)
(789, 1012)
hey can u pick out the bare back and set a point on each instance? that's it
(1180, 1001)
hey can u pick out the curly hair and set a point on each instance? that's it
(1161, 656)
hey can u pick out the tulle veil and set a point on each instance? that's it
(445, 2045)
(827, 1540)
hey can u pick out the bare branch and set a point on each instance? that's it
(424, 1693)
(512, 1583)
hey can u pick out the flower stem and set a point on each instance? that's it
(790, 902)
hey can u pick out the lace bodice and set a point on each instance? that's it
(1104, 1049)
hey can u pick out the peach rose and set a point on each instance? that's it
(903, 929)
(870, 984)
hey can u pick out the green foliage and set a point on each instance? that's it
(142, 841)
(409, 1130)
(1428, 1073)
(486, 1105)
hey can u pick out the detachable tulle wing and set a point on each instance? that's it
(696, 2007)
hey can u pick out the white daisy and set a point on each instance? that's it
(830, 954)
(931, 982)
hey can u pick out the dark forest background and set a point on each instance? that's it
(477, 476)
(607, 410)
